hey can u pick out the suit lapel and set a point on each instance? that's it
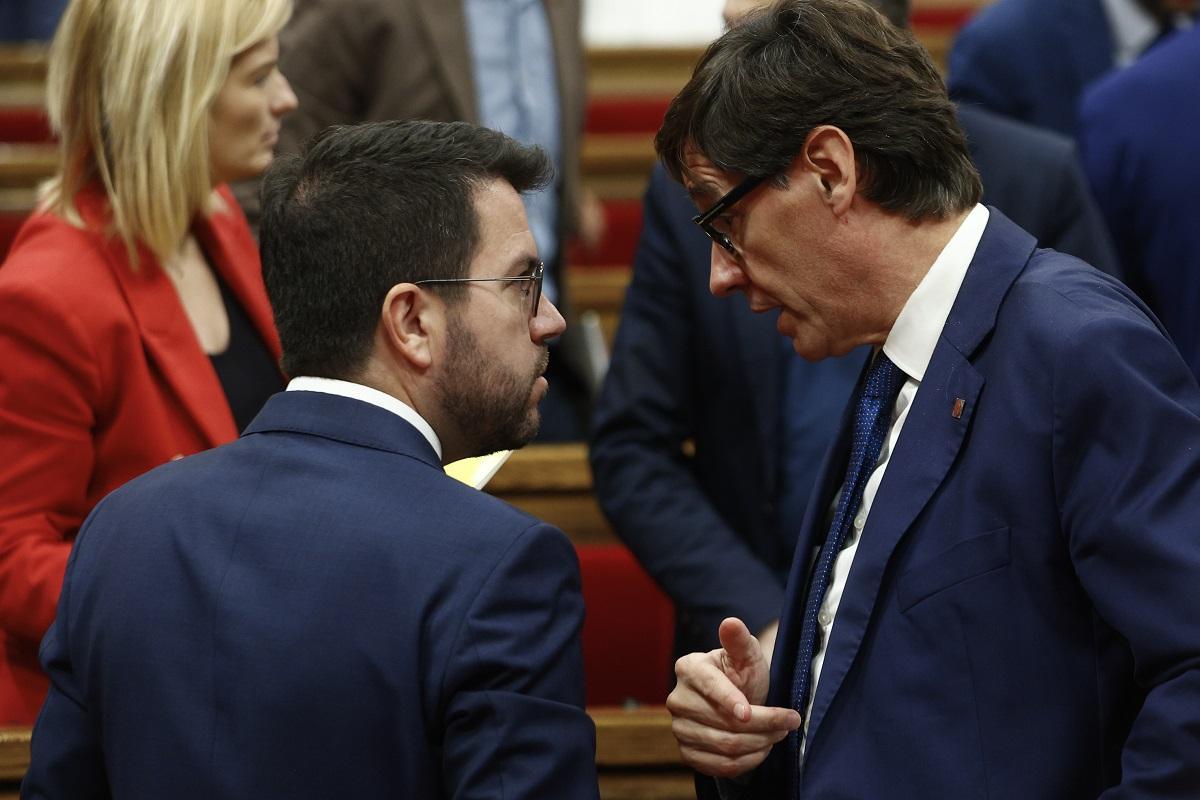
(171, 344)
(928, 445)
(167, 336)
(934, 432)
(446, 25)
(812, 533)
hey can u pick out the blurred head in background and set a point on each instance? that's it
(161, 101)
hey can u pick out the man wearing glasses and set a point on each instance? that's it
(317, 610)
(993, 588)
(717, 529)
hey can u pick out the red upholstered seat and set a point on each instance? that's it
(625, 114)
(628, 631)
(24, 124)
(623, 226)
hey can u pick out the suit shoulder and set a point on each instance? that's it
(1019, 138)
(1156, 79)
(56, 266)
(50, 250)
(1057, 293)
(1005, 21)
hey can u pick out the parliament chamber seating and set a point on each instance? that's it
(628, 629)
(26, 150)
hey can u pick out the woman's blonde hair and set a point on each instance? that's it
(129, 87)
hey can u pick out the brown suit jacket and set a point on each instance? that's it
(370, 60)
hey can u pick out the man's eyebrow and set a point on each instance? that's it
(522, 266)
(704, 192)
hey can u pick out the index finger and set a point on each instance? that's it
(700, 676)
(706, 695)
(771, 718)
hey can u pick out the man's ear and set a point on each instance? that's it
(409, 320)
(828, 158)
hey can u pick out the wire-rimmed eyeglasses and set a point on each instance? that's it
(534, 280)
(706, 219)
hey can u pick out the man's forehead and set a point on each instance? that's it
(704, 181)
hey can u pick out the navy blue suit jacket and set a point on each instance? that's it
(29, 20)
(1137, 134)
(1020, 618)
(1030, 59)
(687, 366)
(315, 610)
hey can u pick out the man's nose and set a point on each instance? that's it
(725, 274)
(547, 323)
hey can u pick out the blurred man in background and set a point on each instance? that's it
(1031, 59)
(1137, 134)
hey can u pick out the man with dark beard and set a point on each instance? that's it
(322, 574)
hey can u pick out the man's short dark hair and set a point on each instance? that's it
(364, 208)
(895, 10)
(761, 88)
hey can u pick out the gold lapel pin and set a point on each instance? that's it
(957, 410)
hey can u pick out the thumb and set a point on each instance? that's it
(741, 648)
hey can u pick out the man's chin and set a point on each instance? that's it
(513, 439)
(529, 431)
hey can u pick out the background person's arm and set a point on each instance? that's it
(647, 409)
(49, 385)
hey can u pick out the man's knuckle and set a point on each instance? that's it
(728, 744)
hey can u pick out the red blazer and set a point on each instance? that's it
(101, 379)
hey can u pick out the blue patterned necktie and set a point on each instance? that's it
(872, 421)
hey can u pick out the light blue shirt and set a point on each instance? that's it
(512, 59)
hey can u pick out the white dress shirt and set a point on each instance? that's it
(1132, 27)
(909, 345)
(357, 391)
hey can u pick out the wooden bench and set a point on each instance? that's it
(636, 756)
(24, 165)
(553, 482)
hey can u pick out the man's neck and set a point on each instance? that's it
(897, 254)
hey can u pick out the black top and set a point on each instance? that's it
(247, 372)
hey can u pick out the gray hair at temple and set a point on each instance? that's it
(783, 70)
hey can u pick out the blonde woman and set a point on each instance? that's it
(134, 328)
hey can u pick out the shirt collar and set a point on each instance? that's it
(915, 334)
(366, 394)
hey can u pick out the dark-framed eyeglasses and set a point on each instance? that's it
(533, 280)
(706, 219)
